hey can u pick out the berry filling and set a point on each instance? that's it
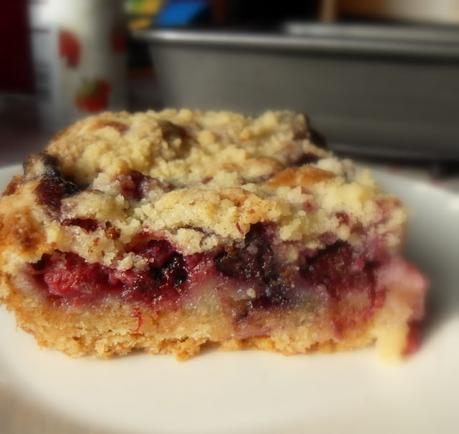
(254, 263)
(54, 187)
(68, 277)
(135, 185)
(89, 225)
(248, 277)
(339, 270)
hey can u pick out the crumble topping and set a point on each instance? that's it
(183, 146)
(198, 179)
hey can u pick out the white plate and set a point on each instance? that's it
(44, 391)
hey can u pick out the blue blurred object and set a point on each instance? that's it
(177, 13)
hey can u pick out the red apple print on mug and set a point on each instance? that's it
(118, 40)
(92, 95)
(69, 48)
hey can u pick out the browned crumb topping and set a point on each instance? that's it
(198, 179)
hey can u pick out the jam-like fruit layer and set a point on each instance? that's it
(53, 186)
(336, 272)
(254, 263)
(135, 185)
(68, 277)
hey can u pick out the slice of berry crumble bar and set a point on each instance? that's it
(171, 231)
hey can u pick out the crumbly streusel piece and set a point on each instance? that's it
(169, 230)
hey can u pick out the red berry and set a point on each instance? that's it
(69, 48)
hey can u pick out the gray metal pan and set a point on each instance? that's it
(371, 90)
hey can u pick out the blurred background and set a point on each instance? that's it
(379, 78)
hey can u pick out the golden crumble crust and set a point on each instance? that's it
(116, 329)
(213, 175)
(182, 145)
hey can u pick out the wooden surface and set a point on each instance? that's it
(435, 11)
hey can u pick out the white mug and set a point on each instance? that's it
(79, 57)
